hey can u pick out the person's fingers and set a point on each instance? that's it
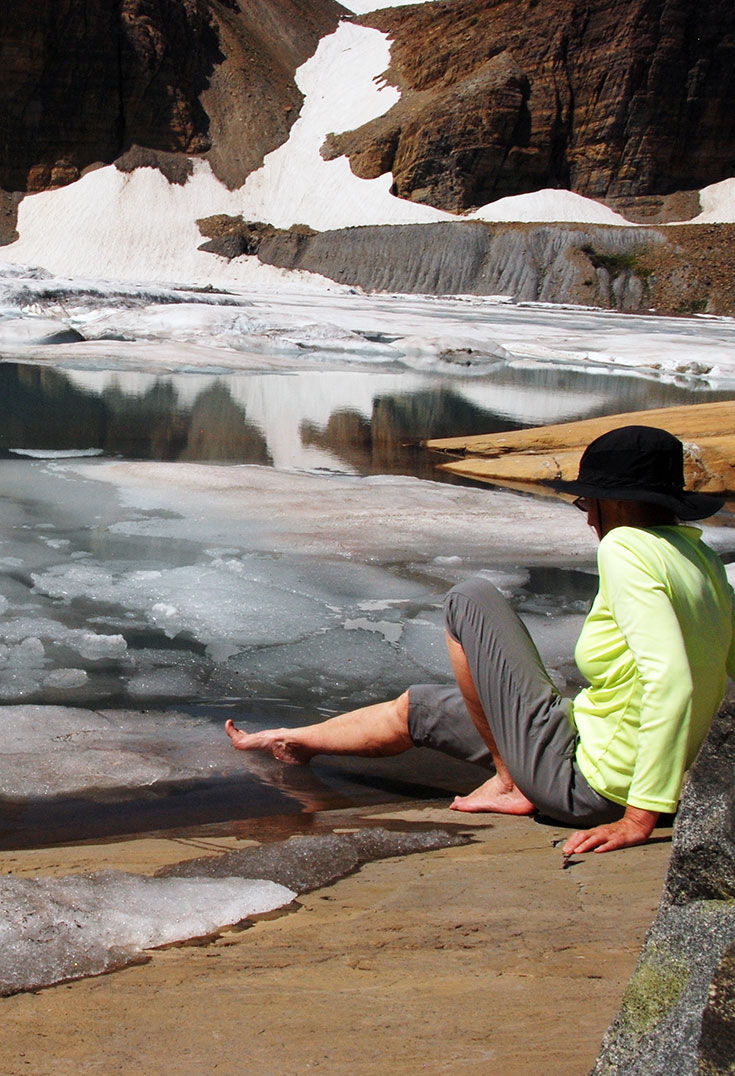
(586, 840)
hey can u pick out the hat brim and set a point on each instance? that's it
(685, 505)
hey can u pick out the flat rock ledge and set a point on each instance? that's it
(678, 1011)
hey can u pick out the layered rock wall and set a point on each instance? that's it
(688, 269)
(615, 99)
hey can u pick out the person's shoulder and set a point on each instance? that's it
(632, 547)
(626, 537)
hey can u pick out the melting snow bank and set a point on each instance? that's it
(56, 929)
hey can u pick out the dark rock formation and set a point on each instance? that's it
(678, 1010)
(614, 99)
(252, 99)
(9, 217)
(82, 83)
(231, 237)
(685, 269)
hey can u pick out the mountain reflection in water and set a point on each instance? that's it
(363, 422)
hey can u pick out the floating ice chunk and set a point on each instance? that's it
(220, 651)
(473, 351)
(24, 634)
(449, 561)
(56, 454)
(28, 654)
(54, 929)
(98, 647)
(168, 618)
(65, 679)
(58, 750)
(17, 684)
(212, 601)
(30, 330)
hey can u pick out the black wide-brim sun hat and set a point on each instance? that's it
(638, 463)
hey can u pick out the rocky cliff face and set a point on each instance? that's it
(617, 99)
(81, 82)
(614, 99)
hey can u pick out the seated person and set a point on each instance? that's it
(656, 649)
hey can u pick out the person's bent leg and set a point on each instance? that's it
(499, 794)
(513, 703)
(374, 731)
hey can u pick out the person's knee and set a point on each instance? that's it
(400, 717)
(468, 600)
(401, 706)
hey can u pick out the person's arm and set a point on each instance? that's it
(635, 827)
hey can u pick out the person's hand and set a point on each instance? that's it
(635, 827)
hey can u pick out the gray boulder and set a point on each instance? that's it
(678, 1011)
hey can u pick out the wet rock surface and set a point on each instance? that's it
(56, 929)
(306, 863)
(677, 1011)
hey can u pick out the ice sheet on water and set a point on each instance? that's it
(241, 602)
(35, 292)
(54, 929)
(67, 751)
(158, 325)
(424, 352)
(56, 454)
(29, 644)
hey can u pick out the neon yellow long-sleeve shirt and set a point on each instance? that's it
(656, 649)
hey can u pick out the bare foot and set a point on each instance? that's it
(280, 743)
(496, 797)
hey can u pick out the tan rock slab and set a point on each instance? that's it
(547, 452)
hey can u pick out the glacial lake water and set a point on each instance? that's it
(362, 421)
